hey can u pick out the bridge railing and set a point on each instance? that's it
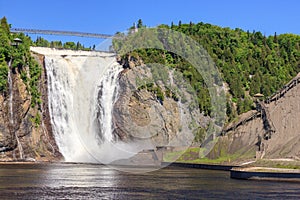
(262, 110)
(56, 32)
(277, 95)
(241, 122)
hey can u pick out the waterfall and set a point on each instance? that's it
(10, 87)
(82, 88)
(105, 97)
(11, 113)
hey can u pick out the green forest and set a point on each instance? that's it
(18, 53)
(249, 62)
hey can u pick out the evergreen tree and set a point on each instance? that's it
(140, 23)
(5, 25)
(275, 38)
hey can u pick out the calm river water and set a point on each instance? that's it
(86, 181)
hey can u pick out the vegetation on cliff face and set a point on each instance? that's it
(25, 131)
(250, 62)
(18, 53)
(3, 74)
(4, 54)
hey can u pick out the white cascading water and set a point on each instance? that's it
(11, 116)
(108, 89)
(82, 88)
(10, 87)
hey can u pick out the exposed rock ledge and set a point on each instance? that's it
(139, 114)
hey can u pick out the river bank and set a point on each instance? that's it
(265, 173)
(264, 169)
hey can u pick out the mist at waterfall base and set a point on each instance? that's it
(82, 88)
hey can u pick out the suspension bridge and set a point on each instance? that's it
(56, 32)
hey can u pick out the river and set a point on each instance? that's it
(88, 181)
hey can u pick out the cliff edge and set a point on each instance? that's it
(253, 138)
(25, 129)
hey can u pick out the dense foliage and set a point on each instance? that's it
(250, 63)
(18, 53)
(5, 50)
(41, 42)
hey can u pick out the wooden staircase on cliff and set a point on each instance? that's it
(262, 110)
(280, 93)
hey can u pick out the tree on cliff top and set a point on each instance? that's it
(140, 23)
(4, 25)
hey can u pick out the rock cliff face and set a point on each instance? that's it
(145, 110)
(285, 115)
(25, 133)
(247, 140)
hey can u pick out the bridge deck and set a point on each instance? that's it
(54, 32)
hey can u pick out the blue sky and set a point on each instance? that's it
(97, 16)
